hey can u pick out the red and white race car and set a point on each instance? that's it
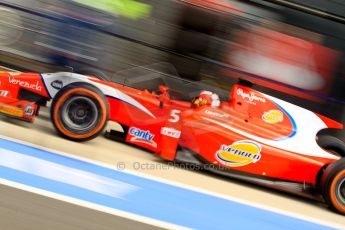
(245, 134)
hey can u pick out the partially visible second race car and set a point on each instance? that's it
(245, 134)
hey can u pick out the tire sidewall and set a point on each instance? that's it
(83, 89)
(332, 143)
(331, 178)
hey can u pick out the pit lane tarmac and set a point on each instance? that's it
(25, 210)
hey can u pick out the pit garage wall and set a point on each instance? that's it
(336, 7)
(37, 36)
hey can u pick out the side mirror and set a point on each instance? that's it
(163, 89)
(164, 97)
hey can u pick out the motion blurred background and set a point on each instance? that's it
(292, 49)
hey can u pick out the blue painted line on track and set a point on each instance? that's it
(150, 198)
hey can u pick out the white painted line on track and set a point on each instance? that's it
(188, 187)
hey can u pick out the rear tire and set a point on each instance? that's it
(333, 186)
(332, 144)
(79, 112)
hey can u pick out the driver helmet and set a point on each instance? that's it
(207, 98)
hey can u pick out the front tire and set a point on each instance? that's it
(79, 112)
(333, 186)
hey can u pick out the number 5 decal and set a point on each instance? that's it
(175, 115)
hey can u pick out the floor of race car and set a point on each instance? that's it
(120, 156)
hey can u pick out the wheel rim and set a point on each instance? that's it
(79, 114)
(341, 190)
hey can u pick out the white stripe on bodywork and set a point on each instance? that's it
(303, 142)
(68, 78)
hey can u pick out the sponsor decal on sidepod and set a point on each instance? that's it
(273, 116)
(239, 153)
(217, 114)
(170, 132)
(250, 97)
(142, 136)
